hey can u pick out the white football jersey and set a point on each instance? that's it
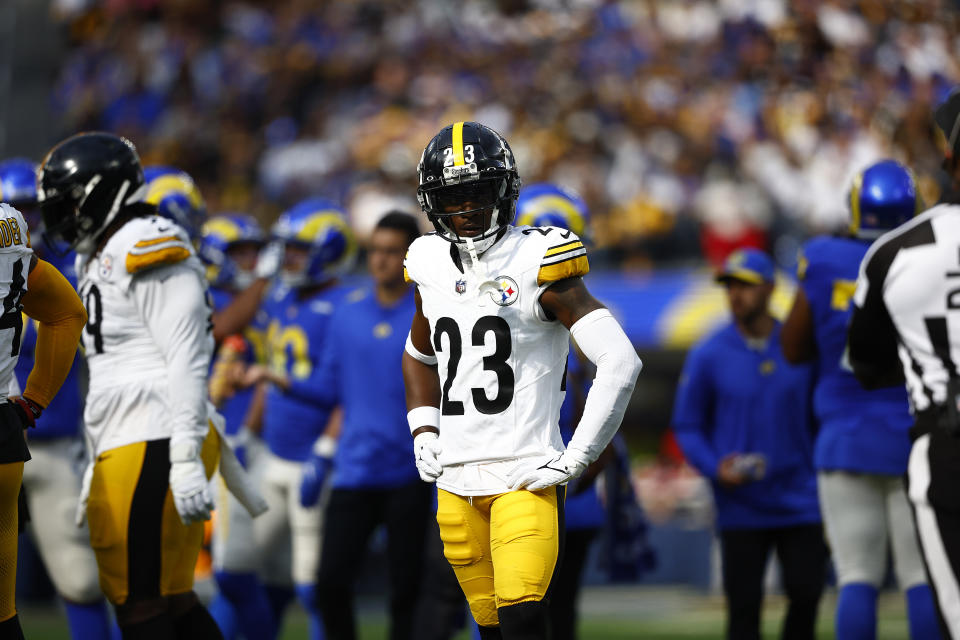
(501, 361)
(15, 253)
(131, 397)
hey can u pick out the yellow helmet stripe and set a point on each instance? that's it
(855, 203)
(458, 144)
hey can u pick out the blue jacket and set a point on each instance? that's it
(361, 369)
(732, 398)
(860, 430)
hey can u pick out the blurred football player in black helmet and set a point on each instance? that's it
(147, 346)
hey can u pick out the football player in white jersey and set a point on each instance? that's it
(38, 289)
(147, 345)
(484, 372)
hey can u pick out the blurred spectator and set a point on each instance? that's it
(626, 101)
(742, 419)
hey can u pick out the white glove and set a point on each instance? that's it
(269, 260)
(547, 472)
(426, 449)
(84, 495)
(188, 482)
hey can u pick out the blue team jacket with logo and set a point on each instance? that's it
(362, 368)
(732, 398)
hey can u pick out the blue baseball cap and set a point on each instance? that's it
(747, 265)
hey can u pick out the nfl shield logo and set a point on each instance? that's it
(461, 286)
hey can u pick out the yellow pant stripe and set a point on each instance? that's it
(11, 475)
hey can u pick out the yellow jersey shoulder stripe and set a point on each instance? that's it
(568, 268)
(561, 248)
(139, 261)
(143, 244)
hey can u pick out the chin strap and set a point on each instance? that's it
(472, 250)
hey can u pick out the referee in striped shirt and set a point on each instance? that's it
(906, 328)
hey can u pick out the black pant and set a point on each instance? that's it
(351, 517)
(803, 560)
(566, 585)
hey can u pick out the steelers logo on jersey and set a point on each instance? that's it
(506, 291)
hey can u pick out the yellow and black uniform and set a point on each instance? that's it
(143, 549)
(44, 294)
(148, 348)
(499, 411)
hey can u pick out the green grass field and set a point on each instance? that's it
(609, 613)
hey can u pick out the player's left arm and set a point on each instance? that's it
(603, 341)
(52, 301)
(796, 335)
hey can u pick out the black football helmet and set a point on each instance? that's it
(82, 185)
(468, 162)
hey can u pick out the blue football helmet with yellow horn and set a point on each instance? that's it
(318, 226)
(219, 234)
(883, 196)
(549, 205)
(18, 182)
(176, 197)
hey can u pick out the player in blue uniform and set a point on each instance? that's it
(375, 480)
(177, 197)
(742, 418)
(230, 244)
(862, 446)
(318, 247)
(51, 482)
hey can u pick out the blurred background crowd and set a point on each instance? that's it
(689, 126)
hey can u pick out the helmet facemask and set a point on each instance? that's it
(483, 202)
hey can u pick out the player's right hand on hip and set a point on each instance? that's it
(188, 482)
(426, 450)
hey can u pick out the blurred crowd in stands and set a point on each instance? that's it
(689, 126)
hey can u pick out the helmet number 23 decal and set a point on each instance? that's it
(495, 362)
(448, 158)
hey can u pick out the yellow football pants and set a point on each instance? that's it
(503, 548)
(11, 475)
(143, 549)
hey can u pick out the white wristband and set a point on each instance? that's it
(423, 417)
(325, 446)
(416, 354)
